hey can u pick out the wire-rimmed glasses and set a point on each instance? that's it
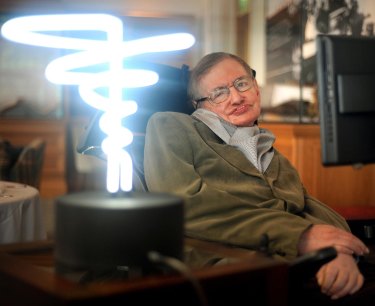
(222, 94)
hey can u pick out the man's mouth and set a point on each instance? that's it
(241, 109)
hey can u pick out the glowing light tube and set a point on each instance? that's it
(42, 30)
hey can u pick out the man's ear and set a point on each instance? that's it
(256, 87)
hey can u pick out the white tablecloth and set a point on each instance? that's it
(21, 217)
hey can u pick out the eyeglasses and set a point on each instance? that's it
(221, 94)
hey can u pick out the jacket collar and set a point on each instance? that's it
(232, 155)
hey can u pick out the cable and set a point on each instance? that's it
(183, 269)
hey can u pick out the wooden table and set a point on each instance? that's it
(27, 277)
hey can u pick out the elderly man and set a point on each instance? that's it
(236, 186)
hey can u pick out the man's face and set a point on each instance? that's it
(241, 108)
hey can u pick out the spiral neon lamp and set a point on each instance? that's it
(94, 230)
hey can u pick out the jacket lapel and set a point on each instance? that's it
(232, 155)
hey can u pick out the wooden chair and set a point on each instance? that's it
(28, 167)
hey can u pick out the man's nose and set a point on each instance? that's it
(235, 95)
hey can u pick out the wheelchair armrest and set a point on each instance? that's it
(307, 265)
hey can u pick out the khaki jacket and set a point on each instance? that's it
(227, 199)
